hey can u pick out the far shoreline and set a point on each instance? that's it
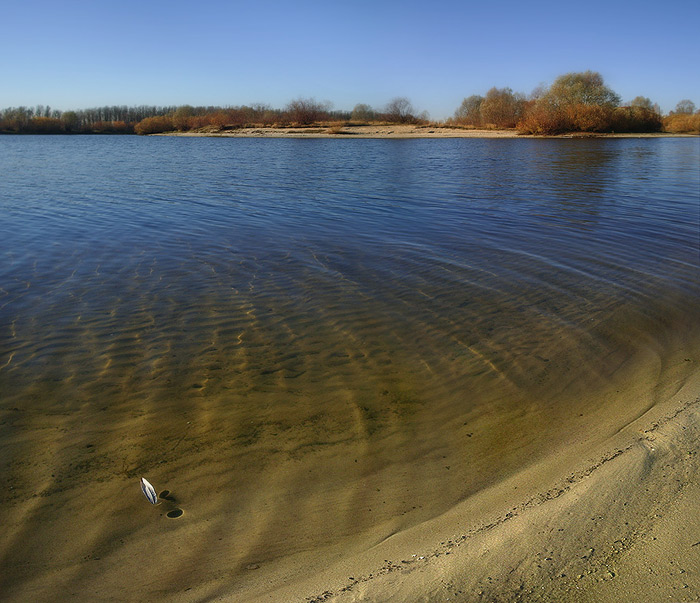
(402, 131)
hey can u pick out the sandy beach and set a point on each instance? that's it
(359, 131)
(387, 131)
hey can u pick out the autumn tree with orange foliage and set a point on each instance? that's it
(684, 119)
(574, 102)
(502, 107)
(155, 125)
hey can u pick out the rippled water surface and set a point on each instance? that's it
(300, 317)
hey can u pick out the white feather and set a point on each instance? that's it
(149, 491)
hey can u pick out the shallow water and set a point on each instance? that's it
(321, 333)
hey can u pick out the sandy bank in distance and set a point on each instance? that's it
(382, 131)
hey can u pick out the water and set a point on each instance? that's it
(163, 258)
(312, 330)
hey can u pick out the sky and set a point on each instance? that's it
(80, 54)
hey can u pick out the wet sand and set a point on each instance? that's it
(622, 526)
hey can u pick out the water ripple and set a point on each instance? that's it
(319, 325)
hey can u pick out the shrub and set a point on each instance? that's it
(45, 125)
(181, 118)
(154, 125)
(219, 119)
(305, 111)
(636, 118)
(336, 128)
(112, 127)
(680, 123)
(589, 118)
(544, 118)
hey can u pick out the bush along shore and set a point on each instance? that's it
(573, 103)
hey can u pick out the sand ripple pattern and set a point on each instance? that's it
(306, 340)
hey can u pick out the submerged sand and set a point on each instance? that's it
(598, 505)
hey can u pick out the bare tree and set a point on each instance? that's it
(642, 102)
(400, 110)
(306, 111)
(686, 106)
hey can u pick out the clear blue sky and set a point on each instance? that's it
(75, 55)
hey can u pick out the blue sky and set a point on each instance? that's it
(74, 55)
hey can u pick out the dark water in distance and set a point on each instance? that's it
(287, 295)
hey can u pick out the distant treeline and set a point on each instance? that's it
(152, 119)
(102, 120)
(575, 102)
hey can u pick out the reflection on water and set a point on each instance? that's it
(297, 321)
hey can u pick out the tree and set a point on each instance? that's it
(306, 111)
(584, 88)
(70, 120)
(642, 102)
(362, 112)
(542, 117)
(686, 107)
(502, 107)
(400, 110)
(538, 91)
(469, 112)
(576, 102)
(181, 117)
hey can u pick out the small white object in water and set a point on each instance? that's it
(149, 491)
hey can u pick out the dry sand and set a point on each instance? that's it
(371, 131)
(381, 131)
